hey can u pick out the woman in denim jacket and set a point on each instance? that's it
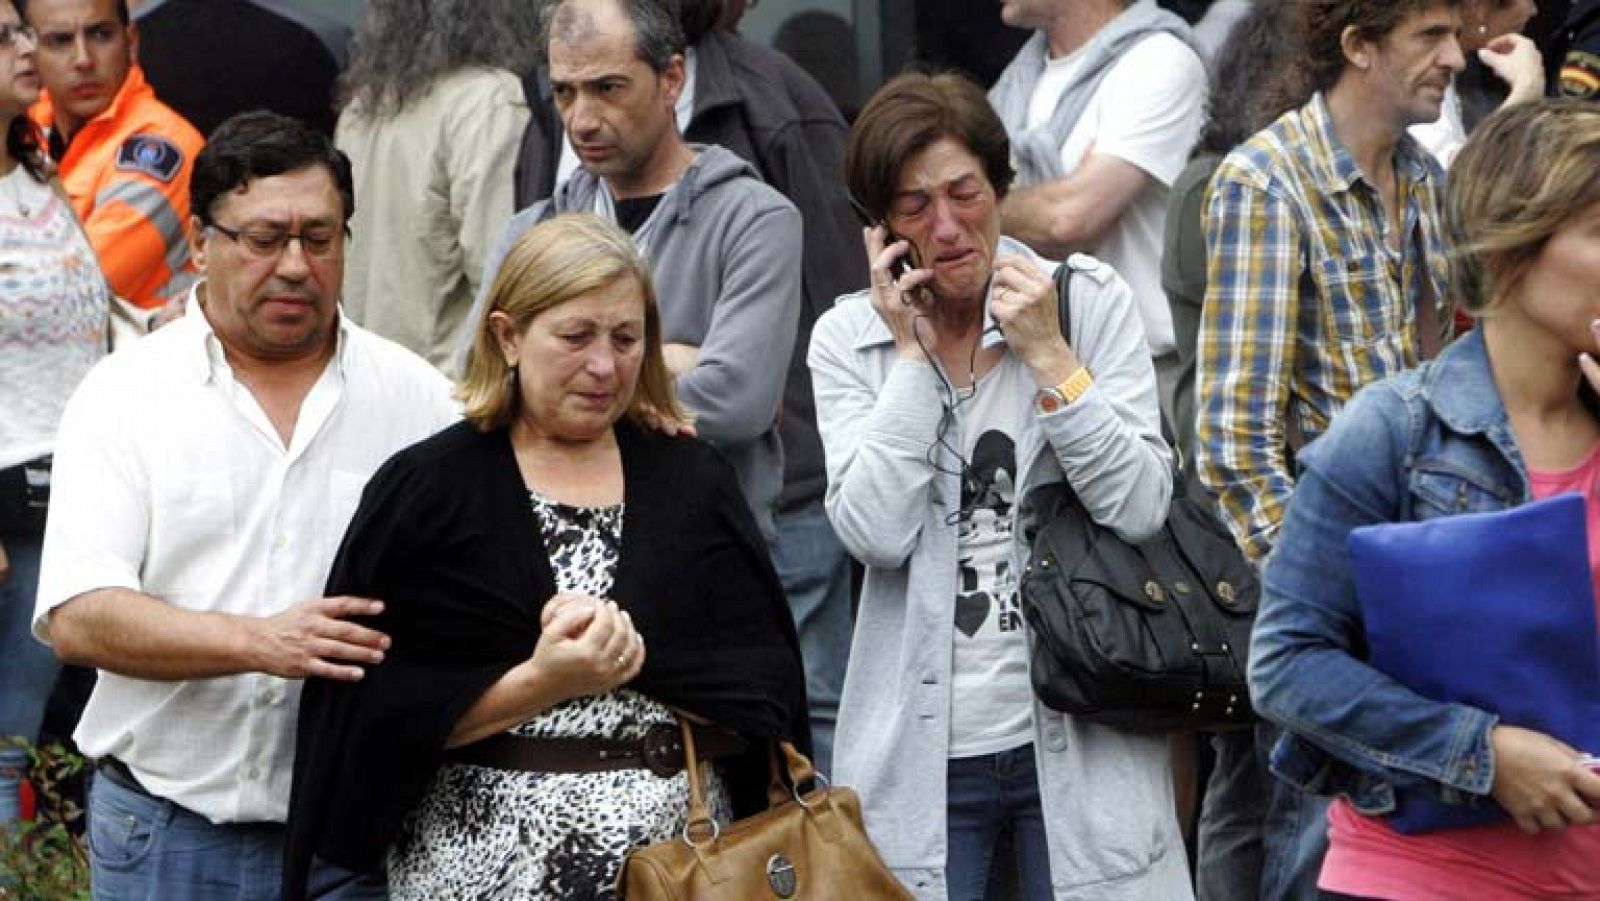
(1503, 416)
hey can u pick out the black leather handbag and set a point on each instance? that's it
(1149, 637)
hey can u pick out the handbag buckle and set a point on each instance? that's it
(688, 833)
(781, 876)
(662, 749)
(819, 780)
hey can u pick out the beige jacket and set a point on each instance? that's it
(433, 190)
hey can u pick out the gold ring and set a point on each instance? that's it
(622, 661)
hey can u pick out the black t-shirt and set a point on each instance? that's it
(632, 213)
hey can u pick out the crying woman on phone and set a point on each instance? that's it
(946, 391)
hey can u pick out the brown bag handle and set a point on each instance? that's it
(699, 809)
(795, 764)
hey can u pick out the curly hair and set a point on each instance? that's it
(403, 45)
(1260, 74)
(1323, 22)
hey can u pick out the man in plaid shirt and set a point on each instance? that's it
(1325, 273)
(1326, 267)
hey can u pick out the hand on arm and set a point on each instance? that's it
(1028, 310)
(143, 637)
(1540, 782)
(1516, 60)
(587, 646)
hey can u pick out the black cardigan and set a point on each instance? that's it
(446, 537)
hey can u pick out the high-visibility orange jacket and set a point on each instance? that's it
(127, 172)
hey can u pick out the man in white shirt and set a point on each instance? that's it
(1102, 105)
(203, 480)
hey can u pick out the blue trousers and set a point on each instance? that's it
(143, 848)
(984, 795)
(27, 668)
(1233, 812)
(815, 571)
(1295, 839)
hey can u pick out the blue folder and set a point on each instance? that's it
(1494, 610)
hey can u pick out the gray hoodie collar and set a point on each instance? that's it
(712, 166)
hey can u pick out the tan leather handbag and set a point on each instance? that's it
(810, 847)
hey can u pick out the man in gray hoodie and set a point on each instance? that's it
(726, 248)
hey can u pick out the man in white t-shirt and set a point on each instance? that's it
(1102, 105)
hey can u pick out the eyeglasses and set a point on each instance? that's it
(10, 31)
(268, 242)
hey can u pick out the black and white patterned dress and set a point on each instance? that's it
(482, 833)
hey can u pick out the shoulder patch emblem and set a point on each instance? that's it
(1580, 77)
(152, 155)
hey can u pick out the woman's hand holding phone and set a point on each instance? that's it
(899, 291)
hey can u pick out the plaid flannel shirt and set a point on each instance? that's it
(1306, 303)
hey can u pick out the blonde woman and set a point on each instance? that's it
(558, 578)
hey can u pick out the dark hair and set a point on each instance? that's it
(911, 113)
(1260, 73)
(699, 17)
(1323, 23)
(123, 16)
(402, 46)
(657, 34)
(22, 144)
(261, 144)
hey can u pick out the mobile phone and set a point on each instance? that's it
(905, 263)
(908, 261)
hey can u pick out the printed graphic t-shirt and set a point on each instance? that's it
(991, 699)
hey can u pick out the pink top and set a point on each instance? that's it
(1486, 863)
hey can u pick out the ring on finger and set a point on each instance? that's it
(622, 661)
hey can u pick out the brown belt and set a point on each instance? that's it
(660, 751)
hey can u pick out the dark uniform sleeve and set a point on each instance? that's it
(1580, 66)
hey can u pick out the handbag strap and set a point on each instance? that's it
(794, 764)
(1063, 280)
(699, 810)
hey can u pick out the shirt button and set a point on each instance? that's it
(252, 773)
(281, 542)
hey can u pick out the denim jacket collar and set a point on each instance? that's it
(1469, 402)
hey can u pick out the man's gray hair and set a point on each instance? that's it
(657, 34)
